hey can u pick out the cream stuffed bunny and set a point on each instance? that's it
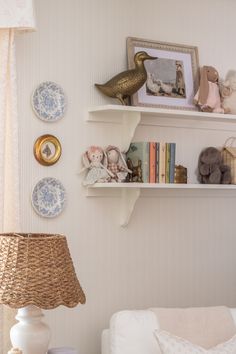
(228, 92)
(208, 95)
(116, 164)
(95, 161)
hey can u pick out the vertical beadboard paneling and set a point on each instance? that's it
(176, 251)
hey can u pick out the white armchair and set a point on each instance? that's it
(132, 332)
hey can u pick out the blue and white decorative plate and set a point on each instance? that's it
(49, 101)
(48, 197)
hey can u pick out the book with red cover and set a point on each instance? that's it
(157, 164)
(152, 162)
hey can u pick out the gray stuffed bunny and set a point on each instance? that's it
(210, 168)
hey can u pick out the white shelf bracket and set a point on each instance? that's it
(130, 121)
(129, 198)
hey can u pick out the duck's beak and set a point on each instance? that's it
(149, 57)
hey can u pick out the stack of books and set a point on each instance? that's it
(151, 162)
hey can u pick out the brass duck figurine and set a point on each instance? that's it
(126, 83)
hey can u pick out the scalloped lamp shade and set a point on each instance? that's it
(36, 272)
(37, 269)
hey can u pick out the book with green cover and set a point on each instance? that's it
(172, 162)
(137, 159)
(162, 162)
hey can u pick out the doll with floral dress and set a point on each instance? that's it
(95, 162)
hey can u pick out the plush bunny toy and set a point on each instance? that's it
(211, 169)
(208, 95)
(228, 92)
(95, 161)
(116, 164)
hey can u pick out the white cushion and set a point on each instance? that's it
(171, 344)
(132, 332)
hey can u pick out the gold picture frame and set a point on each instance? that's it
(173, 78)
(47, 150)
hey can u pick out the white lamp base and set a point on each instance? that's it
(30, 334)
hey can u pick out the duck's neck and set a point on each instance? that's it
(139, 65)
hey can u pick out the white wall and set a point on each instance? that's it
(176, 251)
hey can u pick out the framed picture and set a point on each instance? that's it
(47, 150)
(172, 79)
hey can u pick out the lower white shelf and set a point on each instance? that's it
(130, 192)
(164, 186)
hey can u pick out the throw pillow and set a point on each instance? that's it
(171, 344)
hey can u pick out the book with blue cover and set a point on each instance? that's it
(137, 158)
(168, 162)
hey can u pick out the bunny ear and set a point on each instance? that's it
(85, 159)
(104, 160)
(204, 86)
(122, 159)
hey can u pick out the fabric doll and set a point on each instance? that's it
(208, 95)
(95, 161)
(228, 92)
(116, 164)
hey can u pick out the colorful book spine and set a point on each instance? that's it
(162, 162)
(167, 163)
(172, 162)
(152, 162)
(138, 161)
(157, 162)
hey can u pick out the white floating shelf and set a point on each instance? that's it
(164, 186)
(130, 192)
(130, 117)
(161, 112)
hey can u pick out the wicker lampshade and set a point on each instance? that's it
(37, 269)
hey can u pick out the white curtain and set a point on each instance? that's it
(9, 168)
(15, 15)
